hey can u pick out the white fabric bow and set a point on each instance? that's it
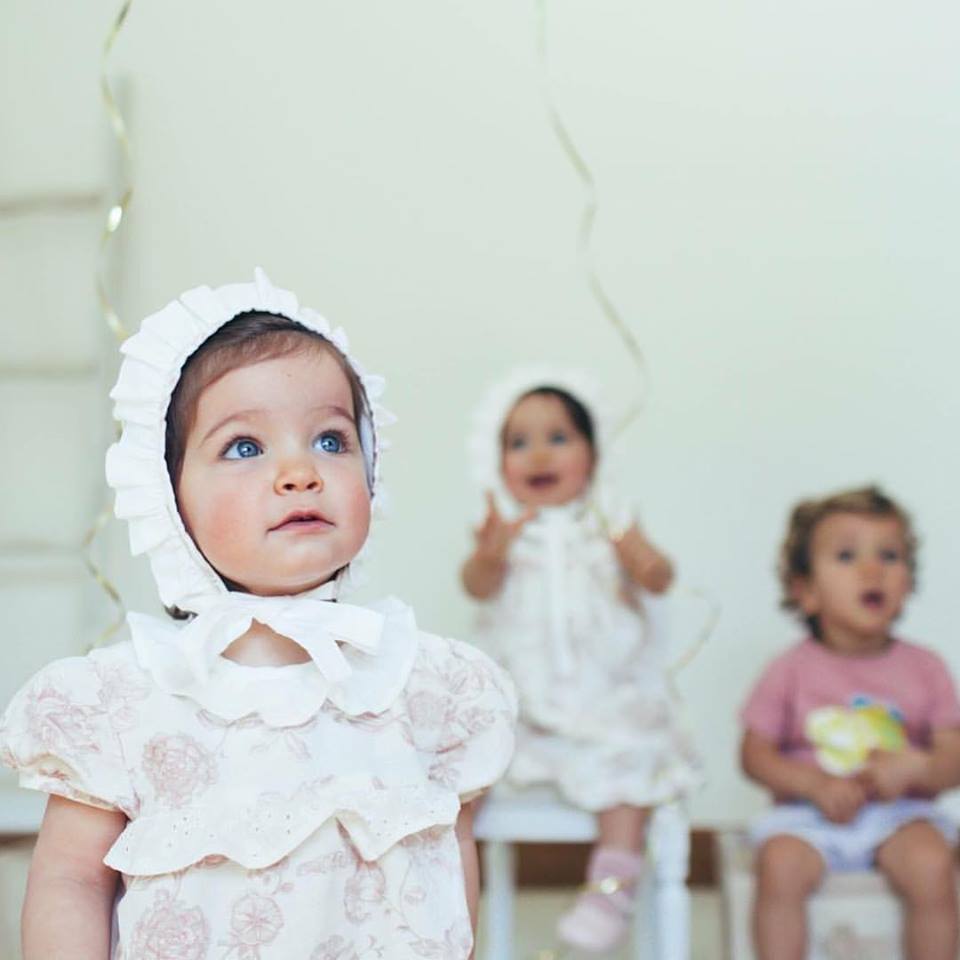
(319, 626)
(359, 657)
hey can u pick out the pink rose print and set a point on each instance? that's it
(366, 887)
(428, 710)
(475, 720)
(445, 768)
(120, 689)
(466, 680)
(179, 767)
(59, 724)
(336, 948)
(455, 945)
(170, 931)
(254, 921)
(431, 849)
(328, 863)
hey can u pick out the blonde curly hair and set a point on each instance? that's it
(795, 560)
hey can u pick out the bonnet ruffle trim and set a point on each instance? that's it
(135, 465)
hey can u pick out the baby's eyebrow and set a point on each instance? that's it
(238, 415)
(337, 409)
(255, 412)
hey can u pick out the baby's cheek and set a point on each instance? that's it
(221, 526)
(357, 513)
(578, 471)
(512, 475)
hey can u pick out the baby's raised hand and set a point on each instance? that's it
(839, 798)
(890, 774)
(495, 534)
(642, 561)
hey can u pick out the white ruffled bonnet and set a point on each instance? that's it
(484, 440)
(136, 466)
(360, 657)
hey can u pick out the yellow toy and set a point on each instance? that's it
(845, 736)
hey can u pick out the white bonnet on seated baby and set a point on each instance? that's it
(484, 439)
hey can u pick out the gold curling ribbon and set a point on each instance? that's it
(86, 544)
(118, 209)
(114, 218)
(591, 206)
(710, 622)
(609, 310)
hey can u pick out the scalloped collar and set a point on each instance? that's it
(360, 657)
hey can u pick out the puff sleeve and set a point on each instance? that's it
(58, 735)
(462, 710)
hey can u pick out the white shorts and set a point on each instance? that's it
(853, 845)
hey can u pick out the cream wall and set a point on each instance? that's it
(779, 222)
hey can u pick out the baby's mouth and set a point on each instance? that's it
(542, 481)
(304, 520)
(873, 599)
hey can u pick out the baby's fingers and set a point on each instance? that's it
(491, 522)
(866, 780)
(493, 514)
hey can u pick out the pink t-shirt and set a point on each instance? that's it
(911, 683)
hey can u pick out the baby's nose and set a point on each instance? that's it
(298, 476)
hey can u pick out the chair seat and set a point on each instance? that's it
(534, 816)
(508, 817)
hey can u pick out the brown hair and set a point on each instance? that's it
(246, 339)
(578, 413)
(795, 560)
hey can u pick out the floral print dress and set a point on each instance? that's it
(330, 839)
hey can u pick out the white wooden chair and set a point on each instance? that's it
(662, 928)
(853, 916)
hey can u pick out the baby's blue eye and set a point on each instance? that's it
(558, 438)
(242, 449)
(890, 556)
(517, 443)
(330, 443)
(845, 556)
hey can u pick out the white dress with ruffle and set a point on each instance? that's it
(272, 816)
(598, 717)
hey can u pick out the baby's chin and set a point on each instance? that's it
(284, 588)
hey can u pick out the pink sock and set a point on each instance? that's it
(600, 918)
(613, 863)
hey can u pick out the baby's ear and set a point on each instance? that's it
(804, 595)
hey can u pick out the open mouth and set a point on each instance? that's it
(302, 520)
(873, 599)
(542, 481)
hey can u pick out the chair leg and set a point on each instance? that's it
(499, 877)
(668, 901)
(645, 923)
